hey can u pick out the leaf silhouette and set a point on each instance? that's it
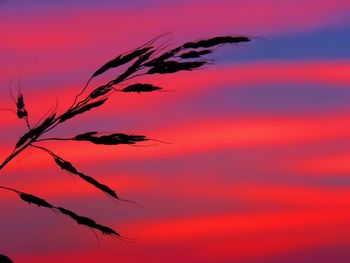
(210, 42)
(20, 102)
(65, 165)
(164, 56)
(81, 220)
(174, 66)
(100, 91)
(32, 199)
(36, 132)
(139, 87)
(133, 68)
(110, 139)
(195, 54)
(120, 60)
(75, 111)
(106, 230)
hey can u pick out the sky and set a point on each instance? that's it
(257, 169)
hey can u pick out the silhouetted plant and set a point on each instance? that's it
(147, 59)
(5, 259)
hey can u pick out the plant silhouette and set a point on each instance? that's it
(148, 59)
(5, 259)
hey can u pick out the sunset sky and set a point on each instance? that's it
(258, 169)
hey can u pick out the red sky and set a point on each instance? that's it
(258, 166)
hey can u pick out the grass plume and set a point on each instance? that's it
(148, 59)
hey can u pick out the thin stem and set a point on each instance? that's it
(52, 110)
(9, 110)
(27, 122)
(10, 189)
(14, 154)
(55, 139)
(46, 150)
(54, 124)
(81, 92)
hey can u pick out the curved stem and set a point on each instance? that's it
(55, 139)
(81, 92)
(10, 189)
(27, 122)
(14, 154)
(46, 150)
(9, 110)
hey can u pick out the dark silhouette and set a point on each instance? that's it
(195, 54)
(147, 59)
(139, 87)
(81, 220)
(5, 259)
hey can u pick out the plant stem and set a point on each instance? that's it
(14, 154)
(55, 139)
(10, 189)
